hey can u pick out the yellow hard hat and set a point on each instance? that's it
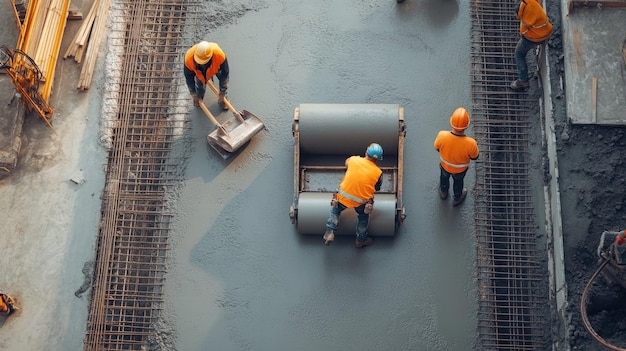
(203, 53)
(460, 119)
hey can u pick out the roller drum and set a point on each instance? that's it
(314, 208)
(347, 129)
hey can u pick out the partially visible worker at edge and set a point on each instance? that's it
(203, 61)
(6, 304)
(455, 152)
(535, 28)
(362, 178)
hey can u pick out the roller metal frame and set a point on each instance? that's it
(304, 175)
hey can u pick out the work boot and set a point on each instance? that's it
(329, 237)
(460, 200)
(220, 100)
(443, 194)
(360, 244)
(519, 85)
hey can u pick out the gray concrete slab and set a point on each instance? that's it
(242, 278)
(49, 223)
(592, 49)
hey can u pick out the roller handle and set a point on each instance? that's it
(210, 115)
(236, 113)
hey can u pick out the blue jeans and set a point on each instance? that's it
(523, 47)
(362, 223)
(200, 88)
(444, 182)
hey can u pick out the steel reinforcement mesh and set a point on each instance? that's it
(511, 271)
(146, 36)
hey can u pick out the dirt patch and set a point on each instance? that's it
(593, 189)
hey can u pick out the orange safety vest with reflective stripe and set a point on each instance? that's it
(216, 61)
(455, 151)
(534, 24)
(358, 184)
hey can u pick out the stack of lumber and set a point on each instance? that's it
(41, 37)
(86, 42)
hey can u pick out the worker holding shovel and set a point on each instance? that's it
(203, 61)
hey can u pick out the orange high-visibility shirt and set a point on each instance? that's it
(455, 151)
(216, 61)
(534, 23)
(359, 182)
(4, 308)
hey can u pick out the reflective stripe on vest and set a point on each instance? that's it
(463, 165)
(351, 197)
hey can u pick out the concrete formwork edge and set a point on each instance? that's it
(554, 227)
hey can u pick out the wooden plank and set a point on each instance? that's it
(93, 48)
(594, 99)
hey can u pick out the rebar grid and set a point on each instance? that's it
(511, 278)
(135, 221)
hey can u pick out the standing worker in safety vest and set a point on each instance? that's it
(455, 152)
(535, 28)
(203, 61)
(361, 180)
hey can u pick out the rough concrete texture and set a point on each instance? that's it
(241, 278)
(592, 196)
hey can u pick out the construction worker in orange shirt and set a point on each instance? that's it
(455, 152)
(535, 28)
(362, 178)
(7, 304)
(203, 61)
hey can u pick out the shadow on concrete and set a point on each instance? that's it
(440, 13)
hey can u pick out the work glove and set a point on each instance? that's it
(220, 100)
(369, 207)
(196, 99)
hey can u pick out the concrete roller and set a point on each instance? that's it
(313, 210)
(325, 135)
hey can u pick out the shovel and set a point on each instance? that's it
(235, 132)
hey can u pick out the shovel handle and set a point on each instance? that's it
(226, 102)
(210, 115)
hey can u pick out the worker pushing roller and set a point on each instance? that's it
(362, 178)
(203, 61)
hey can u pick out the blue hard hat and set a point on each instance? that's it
(375, 151)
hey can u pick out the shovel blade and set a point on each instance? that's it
(238, 133)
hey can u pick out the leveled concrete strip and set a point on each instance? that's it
(594, 67)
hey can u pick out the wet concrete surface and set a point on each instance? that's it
(241, 276)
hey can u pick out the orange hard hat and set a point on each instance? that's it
(460, 119)
(203, 53)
